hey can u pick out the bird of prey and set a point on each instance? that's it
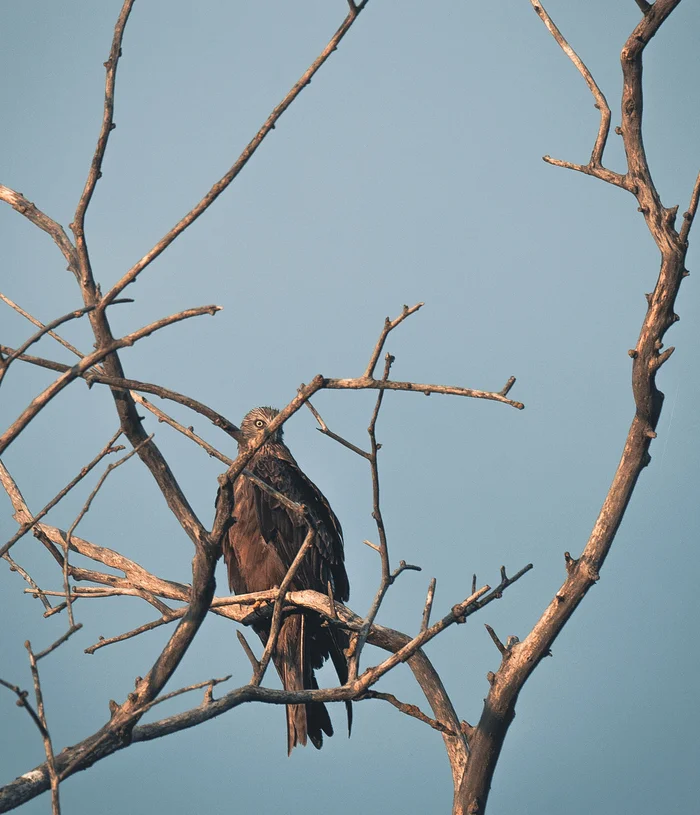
(259, 548)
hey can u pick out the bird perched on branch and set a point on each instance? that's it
(259, 549)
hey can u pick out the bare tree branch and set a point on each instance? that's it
(357, 643)
(416, 387)
(92, 375)
(20, 204)
(594, 166)
(48, 747)
(240, 163)
(39, 402)
(78, 225)
(409, 710)
(72, 315)
(106, 741)
(389, 326)
(689, 215)
(35, 590)
(276, 622)
(521, 658)
(39, 324)
(25, 527)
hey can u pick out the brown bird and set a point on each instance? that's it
(259, 549)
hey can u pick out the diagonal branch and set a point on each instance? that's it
(72, 315)
(242, 160)
(39, 324)
(40, 401)
(26, 526)
(20, 204)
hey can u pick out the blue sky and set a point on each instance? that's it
(409, 170)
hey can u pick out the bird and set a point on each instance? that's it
(258, 549)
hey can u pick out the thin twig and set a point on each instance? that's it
(25, 527)
(276, 624)
(248, 651)
(83, 512)
(72, 315)
(95, 172)
(35, 590)
(389, 326)
(23, 702)
(409, 710)
(48, 747)
(208, 683)
(20, 204)
(691, 211)
(429, 604)
(362, 383)
(59, 641)
(496, 641)
(326, 432)
(386, 577)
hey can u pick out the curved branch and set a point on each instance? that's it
(519, 659)
(601, 102)
(95, 172)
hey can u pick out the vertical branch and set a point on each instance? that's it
(519, 659)
(95, 172)
(48, 747)
(359, 640)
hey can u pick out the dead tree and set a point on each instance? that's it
(473, 750)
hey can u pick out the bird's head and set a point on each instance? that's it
(255, 422)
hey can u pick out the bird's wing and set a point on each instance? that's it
(286, 530)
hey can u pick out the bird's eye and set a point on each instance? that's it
(259, 423)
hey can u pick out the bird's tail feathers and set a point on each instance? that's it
(303, 721)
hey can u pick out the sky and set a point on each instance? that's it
(409, 170)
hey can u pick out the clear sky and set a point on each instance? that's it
(409, 170)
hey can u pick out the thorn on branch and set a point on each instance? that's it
(644, 6)
(570, 562)
(403, 567)
(658, 361)
(633, 353)
(618, 130)
(670, 215)
(429, 604)
(466, 728)
(509, 384)
(248, 651)
(496, 641)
